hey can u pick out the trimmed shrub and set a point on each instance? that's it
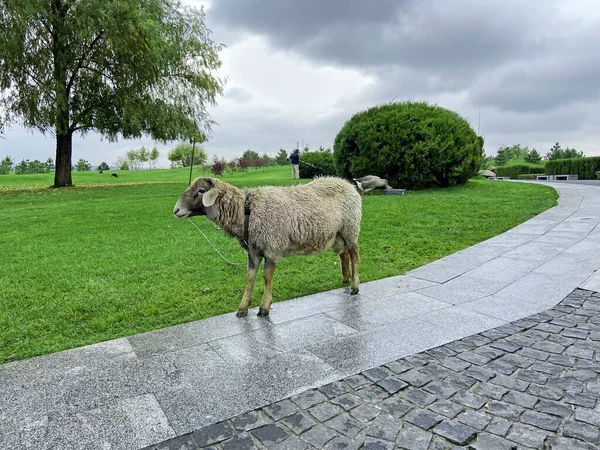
(313, 164)
(412, 145)
(586, 168)
(515, 171)
(529, 176)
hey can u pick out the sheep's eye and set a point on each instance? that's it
(198, 192)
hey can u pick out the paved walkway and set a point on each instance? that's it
(530, 384)
(138, 391)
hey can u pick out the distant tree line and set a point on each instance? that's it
(135, 159)
(249, 159)
(26, 166)
(557, 152)
(181, 156)
(532, 156)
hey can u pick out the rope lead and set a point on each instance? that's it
(212, 245)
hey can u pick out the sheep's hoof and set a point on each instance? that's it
(353, 291)
(262, 313)
(345, 282)
(242, 313)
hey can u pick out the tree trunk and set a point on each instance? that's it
(64, 147)
(64, 134)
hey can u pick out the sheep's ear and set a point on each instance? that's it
(209, 197)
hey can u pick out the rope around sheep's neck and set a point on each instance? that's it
(213, 246)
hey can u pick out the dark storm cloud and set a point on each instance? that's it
(359, 33)
(511, 55)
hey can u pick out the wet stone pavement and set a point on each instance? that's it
(530, 384)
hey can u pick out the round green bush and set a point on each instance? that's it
(314, 164)
(412, 145)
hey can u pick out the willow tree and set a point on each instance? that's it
(124, 68)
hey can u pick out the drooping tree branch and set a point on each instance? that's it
(85, 55)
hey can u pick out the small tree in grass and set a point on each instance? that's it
(133, 158)
(82, 165)
(502, 156)
(533, 157)
(263, 161)
(252, 158)
(218, 166)
(22, 167)
(122, 164)
(181, 156)
(231, 166)
(6, 165)
(242, 164)
(143, 156)
(154, 154)
(103, 166)
(282, 157)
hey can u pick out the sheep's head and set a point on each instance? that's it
(201, 194)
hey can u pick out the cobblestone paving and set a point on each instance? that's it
(534, 383)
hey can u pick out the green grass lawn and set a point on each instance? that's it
(87, 264)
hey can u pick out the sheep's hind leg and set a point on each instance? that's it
(345, 260)
(253, 264)
(268, 271)
(354, 257)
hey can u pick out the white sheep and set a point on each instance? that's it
(276, 222)
(370, 182)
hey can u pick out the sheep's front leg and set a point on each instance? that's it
(253, 264)
(268, 271)
(354, 257)
(345, 260)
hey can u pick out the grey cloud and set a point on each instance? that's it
(568, 75)
(238, 94)
(293, 21)
(270, 129)
(427, 33)
(567, 119)
(511, 55)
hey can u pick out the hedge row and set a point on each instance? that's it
(515, 171)
(586, 168)
(314, 164)
(529, 176)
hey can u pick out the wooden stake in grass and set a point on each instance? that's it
(192, 162)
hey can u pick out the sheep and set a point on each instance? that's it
(370, 182)
(276, 222)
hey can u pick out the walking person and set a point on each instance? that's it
(295, 160)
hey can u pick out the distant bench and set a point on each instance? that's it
(557, 177)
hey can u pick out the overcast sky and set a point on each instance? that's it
(298, 69)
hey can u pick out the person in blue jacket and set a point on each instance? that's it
(295, 160)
